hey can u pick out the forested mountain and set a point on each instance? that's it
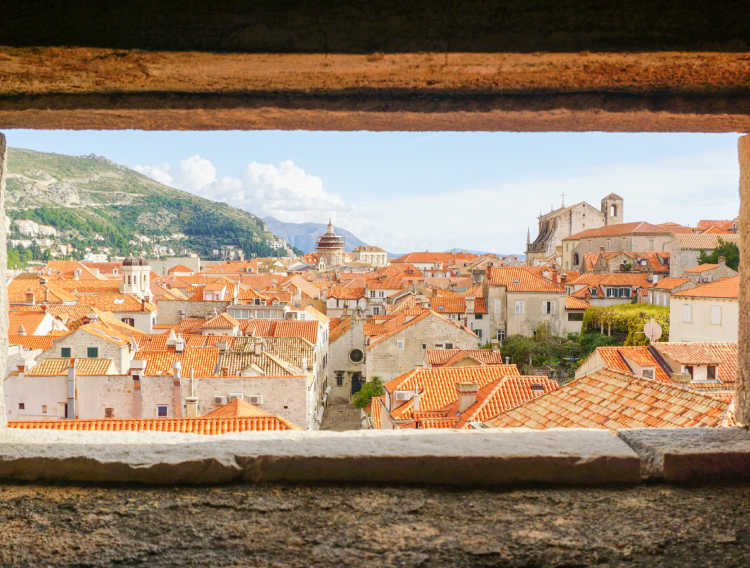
(304, 235)
(86, 196)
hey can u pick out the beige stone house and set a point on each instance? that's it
(372, 255)
(661, 291)
(347, 358)
(95, 341)
(706, 313)
(403, 342)
(704, 273)
(686, 249)
(518, 301)
(467, 310)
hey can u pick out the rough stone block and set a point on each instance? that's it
(495, 457)
(691, 454)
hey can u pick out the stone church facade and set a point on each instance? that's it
(566, 221)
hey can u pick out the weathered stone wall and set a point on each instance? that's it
(3, 267)
(339, 352)
(743, 359)
(169, 310)
(35, 393)
(80, 341)
(96, 393)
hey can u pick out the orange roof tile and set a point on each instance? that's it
(116, 303)
(201, 360)
(641, 355)
(180, 268)
(726, 288)
(705, 241)
(32, 342)
(440, 357)
(203, 425)
(29, 320)
(221, 321)
(704, 225)
(574, 303)
(609, 399)
(518, 279)
(703, 353)
(346, 293)
(670, 283)
(438, 384)
(638, 227)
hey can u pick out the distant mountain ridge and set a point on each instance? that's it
(304, 235)
(99, 202)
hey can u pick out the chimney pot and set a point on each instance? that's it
(467, 394)
(722, 261)
(191, 402)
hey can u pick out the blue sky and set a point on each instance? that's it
(417, 191)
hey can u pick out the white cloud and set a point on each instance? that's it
(284, 191)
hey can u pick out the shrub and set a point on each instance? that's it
(627, 319)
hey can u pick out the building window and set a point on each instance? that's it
(44, 409)
(716, 315)
(161, 410)
(92, 352)
(573, 316)
(129, 321)
(519, 307)
(711, 373)
(21, 406)
(477, 316)
(607, 244)
(648, 373)
(548, 308)
(575, 259)
(689, 370)
(109, 412)
(479, 333)
(400, 344)
(376, 311)
(449, 346)
(687, 313)
(65, 352)
(372, 293)
(356, 355)
(500, 334)
(339, 379)
(424, 346)
(651, 244)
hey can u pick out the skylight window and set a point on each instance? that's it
(119, 301)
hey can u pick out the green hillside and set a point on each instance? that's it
(85, 196)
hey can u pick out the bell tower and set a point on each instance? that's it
(612, 207)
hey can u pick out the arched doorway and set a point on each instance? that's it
(356, 383)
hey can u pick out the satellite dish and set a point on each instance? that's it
(652, 330)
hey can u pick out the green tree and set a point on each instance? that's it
(730, 251)
(371, 389)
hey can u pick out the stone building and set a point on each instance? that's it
(372, 255)
(136, 277)
(347, 358)
(566, 221)
(635, 237)
(330, 249)
(519, 300)
(94, 341)
(704, 273)
(402, 347)
(706, 313)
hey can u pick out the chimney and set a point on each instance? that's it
(494, 343)
(21, 330)
(137, 367)
(563, 277)
(30, 297)
(191, 403)
(722, 261)
(454, 251)
(46, 295)
(179, 345)
(464, 251)
(469, 304)
(221, 346)
(467, 394)
(177, 385)
(258, 346)
(415, 399)
(655, 279)
(507, 360)
(72, 390)
(681, 377)
(21, 364)
(553, 276)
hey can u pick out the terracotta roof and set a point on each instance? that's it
(609, 399)
(102, 332)
(190, 325)
(676, 228)
(201, 360)
(236, 409)
(641, 355)
(727, 288)
(66, 269)
(284, 328)
(346, 293)
(232, 364)
(375, 410)
(670, 283)
(705, 242)
(408, 318)
(703, 353)
(180, 268)
(438, 385)
(704, 225)
(456, 305)
(221, 321)
(32, 342)
(518, 279)
(29, 320)
(637, 228)
(339, 330)
(204, 426)
(440, 357)
(573, 303)
(714, 230)
(56, 366)
(433, 257)
(116, 303)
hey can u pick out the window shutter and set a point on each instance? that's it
(499, 306)
(552, 307)
(686, 313)
(716, 315)
(544, 307)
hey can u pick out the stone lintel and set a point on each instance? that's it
(481, 458)
(691, 454)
